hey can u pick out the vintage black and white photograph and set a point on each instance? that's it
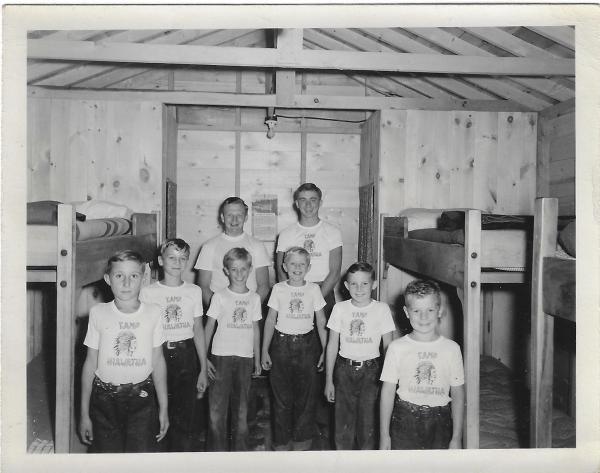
(304, 236)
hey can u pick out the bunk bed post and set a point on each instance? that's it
(65, 303)
(542, 325)
(470, 297)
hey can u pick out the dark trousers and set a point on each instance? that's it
(124, 418)
(356, 392)
(182, 377)
(416, 427)
(294, 383)
(229, 390)
(325, 409)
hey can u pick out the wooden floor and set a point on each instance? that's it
(504, 413)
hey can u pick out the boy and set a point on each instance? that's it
(296, 354)
(322, 240)
(181, 307)
(424, 366)
(357, 327)
(237, 310)
(124, 372)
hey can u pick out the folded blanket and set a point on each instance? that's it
(102, 228)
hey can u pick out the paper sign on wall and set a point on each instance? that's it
(264, 217)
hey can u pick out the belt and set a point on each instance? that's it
(126, 388)
(422, 411)
(358, 364)
(293, 337)
(178, 344)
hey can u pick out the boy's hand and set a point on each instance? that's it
(266, 361)
(329, 391)
(321, 362)
(212, 372)
(85, 430)
(202, 384)
(257, 369)
(163, 419)
(455, 443)
(385, 442)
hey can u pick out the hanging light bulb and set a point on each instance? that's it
(271, 122)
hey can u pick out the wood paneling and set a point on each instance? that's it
(84, 150)
(207, 169)
(556, 157)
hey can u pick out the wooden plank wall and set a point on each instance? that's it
(556, 157)
(224, 152)
(485, 160)
(79, 150)
(83, 150)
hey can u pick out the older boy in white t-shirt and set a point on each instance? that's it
(295, 352)
(357, 327)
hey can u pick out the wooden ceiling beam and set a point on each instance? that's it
(310, 101)
(288, 42)
(563, 35)
(508, 42)
(304, 59)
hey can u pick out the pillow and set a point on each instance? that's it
(421, 218)
(566, 237)
(103, 209)
(439, 236)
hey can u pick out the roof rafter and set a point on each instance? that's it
(304, 59)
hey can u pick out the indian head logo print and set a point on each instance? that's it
(239, 315)
(309, 245)
(357, 328)
(296, 306)
(425, 373)
(172, 313)
(125, 343)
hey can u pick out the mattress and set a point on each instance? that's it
(504, 411)
(45, 213)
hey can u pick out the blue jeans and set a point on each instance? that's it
(356, 393)
(294, 384)
(182, 377)
(229, 390)
(416, 427)
(124, 418)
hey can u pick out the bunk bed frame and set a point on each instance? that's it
(55, 256)
(461, 267)
(552, 295)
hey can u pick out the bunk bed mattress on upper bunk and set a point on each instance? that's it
(451, 226)
(45, 213)
(502, 250)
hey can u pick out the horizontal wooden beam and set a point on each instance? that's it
(327, 102)
(91, 51)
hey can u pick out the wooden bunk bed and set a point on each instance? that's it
(552, 295)
(55, 256)
(479, 261)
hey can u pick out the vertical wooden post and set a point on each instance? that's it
(471, 294)
(289, 42)
(542, 326)
(65, 303)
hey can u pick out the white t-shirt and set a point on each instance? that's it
(361, 328)
(234, 314)
(124, 341)
(178, 305)
(213, 250)
(296, 306)
(424, 371)
(318, 240)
